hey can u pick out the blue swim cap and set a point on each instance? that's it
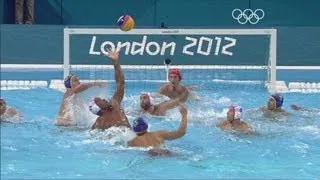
(139, 125)
(67, 81)
(278, 99)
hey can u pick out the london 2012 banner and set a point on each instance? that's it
(192, 48)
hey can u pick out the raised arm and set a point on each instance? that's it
(168, 104)
(170, 135)
(119, 93)
(84, 86)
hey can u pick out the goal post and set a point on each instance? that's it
(205, 45)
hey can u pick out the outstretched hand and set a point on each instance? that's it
(113, 54)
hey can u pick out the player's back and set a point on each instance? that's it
(146, 140)
(114, 117)
(64, 118)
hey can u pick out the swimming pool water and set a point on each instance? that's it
(286, 148)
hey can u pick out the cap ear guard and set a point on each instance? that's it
(139, 125)
(278, 100)
(94, 108)
(67, 81)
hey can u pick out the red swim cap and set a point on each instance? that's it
(176, 72)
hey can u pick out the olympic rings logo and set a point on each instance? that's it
(253, 17)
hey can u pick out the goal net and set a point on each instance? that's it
(205, 56)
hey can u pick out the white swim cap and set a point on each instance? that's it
(237, 111)
(94, 108)
(147, 93)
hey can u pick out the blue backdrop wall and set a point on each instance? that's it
(43, 44)
(297, 22)
(171, 13)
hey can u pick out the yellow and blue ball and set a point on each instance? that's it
(126, 23)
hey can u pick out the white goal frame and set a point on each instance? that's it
(272, 60)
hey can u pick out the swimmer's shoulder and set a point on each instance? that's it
(223, 123)
(165, 87)
(281, 112)
(98, 123)
(11, 115)
(183, 87)
(11, 110)
(245, 125)
(68, 93)
(263, 109)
